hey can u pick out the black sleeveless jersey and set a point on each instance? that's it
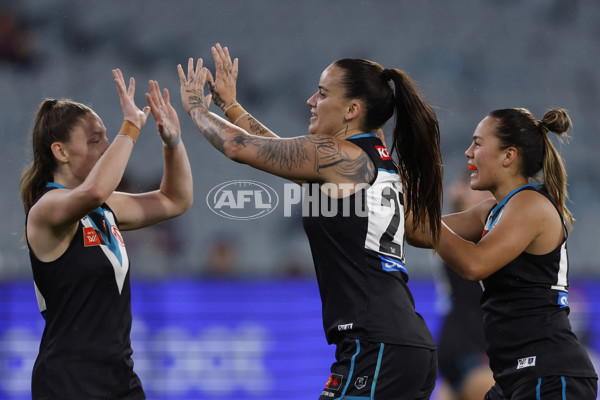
(85, 298)
(526, 310)
(357, 244)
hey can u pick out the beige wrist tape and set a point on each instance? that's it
(234, 113)
(130, 130)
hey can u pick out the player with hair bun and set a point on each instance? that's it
(516, 245)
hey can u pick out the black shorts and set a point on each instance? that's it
(380, 371)
(550, 388)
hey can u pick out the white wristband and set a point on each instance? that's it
(240, 117)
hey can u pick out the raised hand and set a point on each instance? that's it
(164, 114)
(131, 112)
(192, 86)
(223, 90)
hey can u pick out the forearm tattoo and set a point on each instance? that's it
(211, 127)
(256, 128)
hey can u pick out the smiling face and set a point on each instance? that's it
(485, 156)
(329, 105)
(86, 145)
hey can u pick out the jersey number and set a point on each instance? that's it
(387, 244)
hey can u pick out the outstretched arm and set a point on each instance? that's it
(53, 219)
(223, 92)
(175, 195)
(315, 158)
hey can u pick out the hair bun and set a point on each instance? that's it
(556, 120)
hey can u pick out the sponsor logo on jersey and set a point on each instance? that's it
(361, 382)
(345, 327)
(526, 362)
(563, 299)
(90, 237)
(391, 264)
(383, 153)
(117, 234)
(334, 382)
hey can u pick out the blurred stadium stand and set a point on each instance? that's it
(467, 57)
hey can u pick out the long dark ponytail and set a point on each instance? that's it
(416, 136)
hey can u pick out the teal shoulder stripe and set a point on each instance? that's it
(363, 135)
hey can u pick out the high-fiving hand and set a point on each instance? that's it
(164, 114)
(131, 112)
(192, 86)
(226, 72)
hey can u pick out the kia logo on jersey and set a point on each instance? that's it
(383, 152)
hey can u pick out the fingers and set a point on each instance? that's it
(155, 91)
(166, 96)
(192, 74)
(190, 68)
(226, 53)
(234, 69)
(181, 75)
(118, 78)
(131, 88)
(150, 101)
(210, 79)
(151, 97)
(199, 69)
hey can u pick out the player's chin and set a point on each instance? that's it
(474, 182)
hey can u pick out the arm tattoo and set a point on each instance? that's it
(324, 152)
(256, 128)
(359, 170)
(210, 127)
(284, 153)
(216, 97)
(196, 99)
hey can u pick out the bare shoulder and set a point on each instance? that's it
(47, 240)
(357, 166)
(531, 200)
(343, 160)
(533, 211)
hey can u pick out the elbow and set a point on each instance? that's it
(471, 276)
(235, 151)
(186, 205)
(231, 150)
(472, 273)
(94, 197)
(182, 205)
